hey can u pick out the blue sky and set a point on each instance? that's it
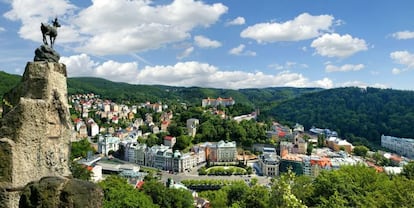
(222, 44)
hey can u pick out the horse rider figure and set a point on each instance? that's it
(51, 31)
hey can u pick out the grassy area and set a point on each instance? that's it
(225, 170)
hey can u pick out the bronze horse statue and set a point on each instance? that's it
(51, 31)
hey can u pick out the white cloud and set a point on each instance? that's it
(32, 12)
(204, 42)
(403, 35)
(335, 45)
(324, 83)
(287, 65)
(362, 85)
(304, 26)
(239, 51)
(396, 71)
(237, 21)
(404, 58)
(116, 27)
(142, 26)
(79, 65)
(186, 53)
(2, 29)
(82, 65)
(344, 68)
(185, 74)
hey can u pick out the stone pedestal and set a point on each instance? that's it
(35, 131)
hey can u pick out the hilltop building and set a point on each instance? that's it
(216, 102)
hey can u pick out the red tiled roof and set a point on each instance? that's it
(169, 138)
(139, 184)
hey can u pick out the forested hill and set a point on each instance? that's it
(353, 112)
(263, 99)
(359, 115)
(7, 81)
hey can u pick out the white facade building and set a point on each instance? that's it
(107, 143)
(402, 146)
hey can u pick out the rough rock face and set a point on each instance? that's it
(51, 192)
(46, 53)
(35, 130)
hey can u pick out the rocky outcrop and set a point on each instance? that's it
(35, 130)
(46, 53)
(51, 192)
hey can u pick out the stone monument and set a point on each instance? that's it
(35, 135)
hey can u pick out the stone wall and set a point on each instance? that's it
(35, 130)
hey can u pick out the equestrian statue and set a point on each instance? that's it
(51, 31)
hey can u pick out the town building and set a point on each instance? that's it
(216, 102)
(107, 143)
(170, 141)
(337, 144)
(313, 165)
(402, 146)
(221, 151)
(192, 125)
(268, 162)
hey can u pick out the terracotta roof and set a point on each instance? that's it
(168, 138)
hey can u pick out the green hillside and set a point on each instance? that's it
(353, 112)
(359, 115)
(7, 82)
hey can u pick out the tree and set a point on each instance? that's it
(80, 148)
(217, 198)
(80, 171)
(167, 197)
(360, 150)
(175, 130)
(183, 142)
(408, 170)
(309, 149)
(119, 194)
(235, 192)
(351, 186)
(257, 196)
(281, 195)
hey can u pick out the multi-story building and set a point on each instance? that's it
(337, 144)
(269, 163)
(216, 102)
(313, 165)
(183, 162)
(402, 146)
(107, 143)
(169, 141)
(221, 151)
(192, 124)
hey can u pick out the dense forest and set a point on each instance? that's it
(359, 115)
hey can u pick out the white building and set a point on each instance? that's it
(107, 143)
(170, 141)
(216, 102)
(402, 146)
(192, 124)
(226, 151)
(269, 163)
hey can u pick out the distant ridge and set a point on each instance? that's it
(360, 115)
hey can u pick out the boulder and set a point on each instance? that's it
(46, 53)
(51, 192)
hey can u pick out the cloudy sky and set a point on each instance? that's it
(222, 44)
